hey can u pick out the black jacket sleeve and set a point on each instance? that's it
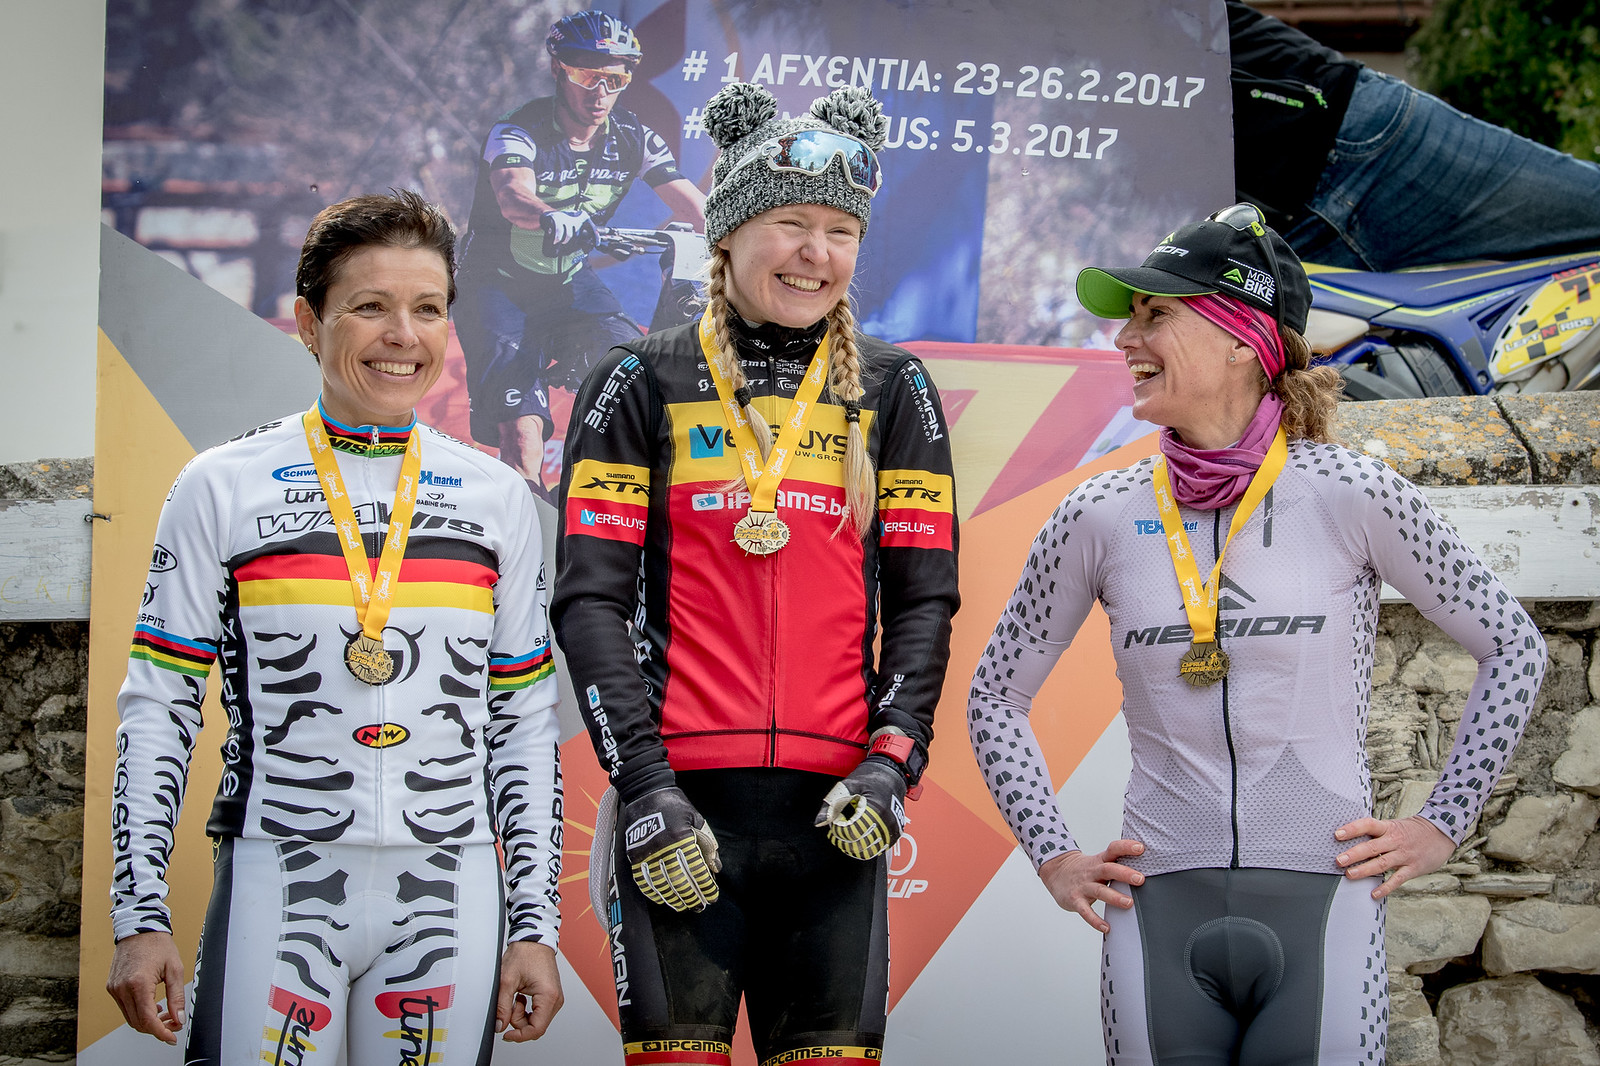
(611, 453)
(917, 579)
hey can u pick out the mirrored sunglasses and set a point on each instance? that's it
(812, 152)
(1246, 218)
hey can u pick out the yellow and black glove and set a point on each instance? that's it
(866, 812)
(671, 850)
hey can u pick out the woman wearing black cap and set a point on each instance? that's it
(1240, 570)
(751, 502)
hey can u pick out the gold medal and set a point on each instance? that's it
(368, 660)
(1203, 665)
(761, 533)
(373, 594)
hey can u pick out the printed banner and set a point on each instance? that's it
(1027, 139)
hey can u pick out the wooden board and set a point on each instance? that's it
(44, 560)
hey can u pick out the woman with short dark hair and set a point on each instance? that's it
(390, 695)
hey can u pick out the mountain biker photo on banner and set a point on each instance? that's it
(534, 314)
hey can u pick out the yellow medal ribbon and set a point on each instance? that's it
(1205, 663)
(761, 531)
(374, 596)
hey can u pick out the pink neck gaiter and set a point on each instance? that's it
(1209, 479)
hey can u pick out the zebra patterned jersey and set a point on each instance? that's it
(1259, 769)
(247, 576)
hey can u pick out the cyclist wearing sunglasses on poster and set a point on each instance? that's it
(752, 500)
(532, 314)
(1244, 907)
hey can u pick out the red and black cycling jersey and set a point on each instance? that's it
(685, 652)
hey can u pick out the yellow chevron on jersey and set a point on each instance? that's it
(920, 490)
(594, 479)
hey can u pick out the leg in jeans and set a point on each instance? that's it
(1412, 181)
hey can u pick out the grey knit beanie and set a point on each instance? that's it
(740, 119)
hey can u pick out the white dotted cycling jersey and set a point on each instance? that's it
(459, 748)
(1259, 769)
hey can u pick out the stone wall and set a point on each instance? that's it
(43, 705)
(1493, 960)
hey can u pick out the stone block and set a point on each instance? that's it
(1577, 889)
(47, 479)
(33, 1023)
(1413, 794)
(1510, 886)
(39, 956)
(36, 1010)
(1512, 1021)
(61, 757)
(1579, 767)
(1383, 659)
(1440, 665)
(1393, 723)
(1440, 441)
(1425, 932)
(1544, 831)
(1561, 429)
(1537, 934)
(1413, 1031)
(1594, 670)
(1565, 614)
(40, 819)
(1431, 885)
(1565, 686)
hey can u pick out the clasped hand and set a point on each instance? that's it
(672, 851)
(866, 812)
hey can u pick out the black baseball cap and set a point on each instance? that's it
(1234, 252)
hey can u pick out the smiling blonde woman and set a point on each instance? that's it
(752, 502)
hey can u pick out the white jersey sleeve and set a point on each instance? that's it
(176, 637)
(524, 734)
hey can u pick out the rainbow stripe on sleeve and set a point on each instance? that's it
(510, 672)
(192, 657)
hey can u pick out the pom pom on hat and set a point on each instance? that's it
(852, 110)
(736, 111)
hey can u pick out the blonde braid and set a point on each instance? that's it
(844, 381)
(727, 355)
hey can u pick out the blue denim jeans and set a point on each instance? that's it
(1412, 181)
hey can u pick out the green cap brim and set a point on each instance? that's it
(1109, 294)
